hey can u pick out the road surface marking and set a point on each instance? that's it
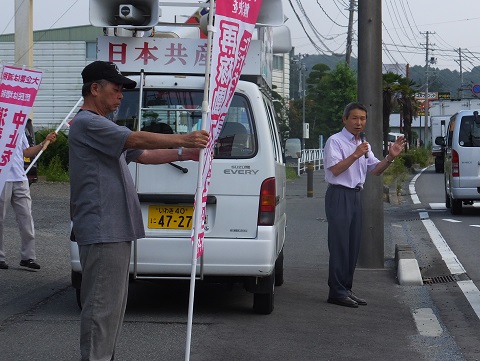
(427, 323)
(438, 206)
(468, 288)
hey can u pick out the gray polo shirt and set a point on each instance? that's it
(104, 203)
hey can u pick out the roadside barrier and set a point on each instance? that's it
(314, 156)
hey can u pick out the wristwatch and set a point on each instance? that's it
(180, 152)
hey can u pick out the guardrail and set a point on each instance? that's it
(314, 156)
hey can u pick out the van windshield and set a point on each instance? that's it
(180, 111)
(469, 134)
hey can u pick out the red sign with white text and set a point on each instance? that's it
(234, 23)
(18, 89)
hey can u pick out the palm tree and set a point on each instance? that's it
(398, 94)
(408, 105)
(391, 100)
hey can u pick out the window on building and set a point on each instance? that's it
(278, 62)
(91, 50)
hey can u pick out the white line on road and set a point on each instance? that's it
(468, 288)
(427, 323)
(438, 205)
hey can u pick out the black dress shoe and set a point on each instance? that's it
(358, 300)
(344, 301)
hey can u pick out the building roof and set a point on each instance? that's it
(83, 32)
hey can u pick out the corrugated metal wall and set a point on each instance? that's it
(61, 87)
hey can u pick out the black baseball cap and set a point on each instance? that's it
(106, 70)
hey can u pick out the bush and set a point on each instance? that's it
(58, 149)
(397, 170)
(54, 171)
(291, 173)
(404, 163)
(420, 156)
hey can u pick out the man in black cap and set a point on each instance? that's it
(105, 207)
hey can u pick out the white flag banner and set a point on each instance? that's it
(18, 89)
(234, 23)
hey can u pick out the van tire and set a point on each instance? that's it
(438, 165)
(263, 303)
(455, 206)
(279, 270)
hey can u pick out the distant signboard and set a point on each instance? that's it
(431, 95)
(476, 89)
(443, 95)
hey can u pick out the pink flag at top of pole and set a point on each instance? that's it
(234, 23)
(18, 89)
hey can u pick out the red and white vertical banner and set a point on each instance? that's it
(234, 25)
(18, 89)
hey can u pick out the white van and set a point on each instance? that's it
(462, 160)
(246, 207)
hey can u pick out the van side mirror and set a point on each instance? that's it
(440, 141)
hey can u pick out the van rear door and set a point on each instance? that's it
(469, 141)
(166, 191)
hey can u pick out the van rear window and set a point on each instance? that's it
(469, 134)
(180, 111)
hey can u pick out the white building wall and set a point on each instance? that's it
(281, 79)
(61, 87)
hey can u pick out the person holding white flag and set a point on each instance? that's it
(105, 209)
(16, 191)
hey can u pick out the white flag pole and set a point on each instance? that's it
(45, 145)
(199, 192)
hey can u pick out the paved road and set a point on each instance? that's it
(39, 318)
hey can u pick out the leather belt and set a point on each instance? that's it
(356, 189)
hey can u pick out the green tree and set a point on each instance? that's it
(408, 106)
(336, 89)
(280, 106)
(398, 95)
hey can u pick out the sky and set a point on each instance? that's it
(451, 26)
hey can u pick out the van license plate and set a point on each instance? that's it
(170, 217)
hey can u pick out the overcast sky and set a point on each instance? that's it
(452, 24)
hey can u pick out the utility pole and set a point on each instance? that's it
(24, 33)
(461, 71)
(348, 51)
(304, 93)
(370, 94)
(426, 103)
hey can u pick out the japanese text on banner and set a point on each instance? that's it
(18, 89)
(235, 22)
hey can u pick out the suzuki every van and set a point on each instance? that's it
(462, 160)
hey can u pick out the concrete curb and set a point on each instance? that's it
(408, 272)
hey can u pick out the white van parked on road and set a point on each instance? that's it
(246, 207)
(462, 160)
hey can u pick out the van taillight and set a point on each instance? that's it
(455, 164)
(266, 209)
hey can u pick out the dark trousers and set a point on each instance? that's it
(104, 298)
(343, 208)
